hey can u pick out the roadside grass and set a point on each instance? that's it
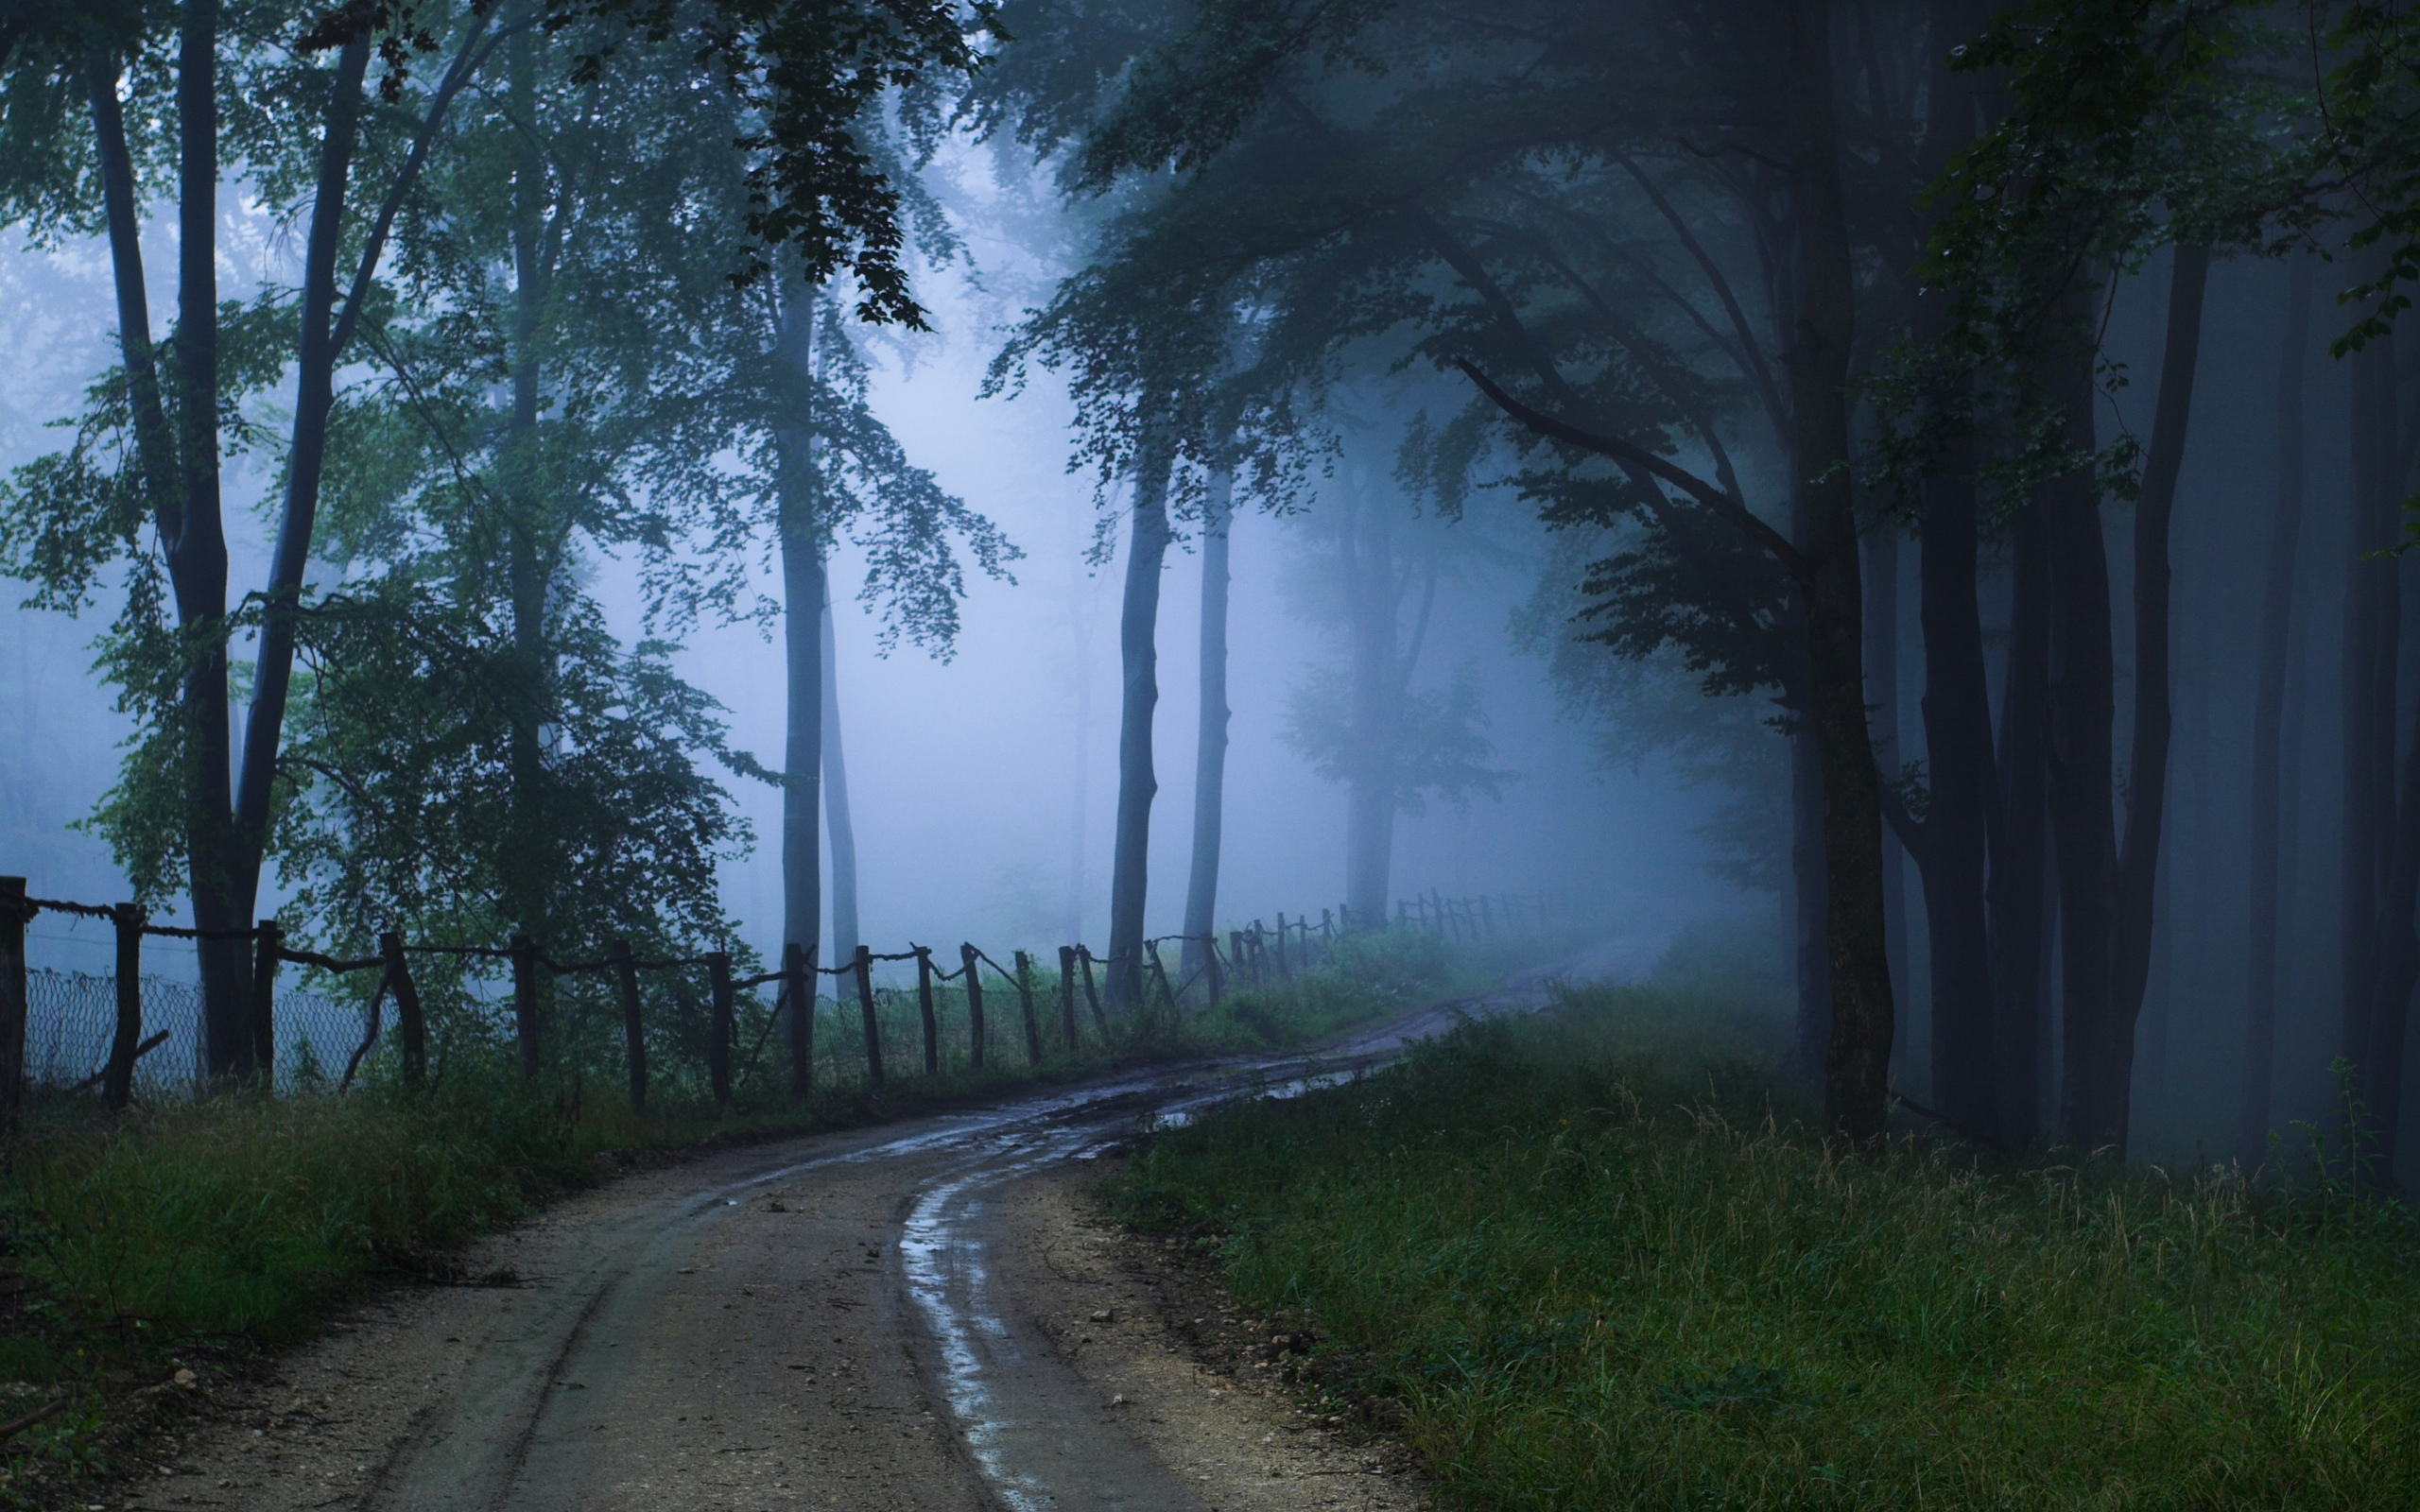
(1598, 1260)
(190, 1230)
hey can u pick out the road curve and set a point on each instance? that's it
(853, 1318)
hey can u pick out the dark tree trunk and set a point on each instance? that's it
(2371, 624)
(1811, 952)
(2020, 870)
(845, 934)
(1366, 550)
(2268, 730)
(1882, 725)
(1210, 745)
(1138, 654)
(2108, 1096)
(802, 593)
(1857, 1062)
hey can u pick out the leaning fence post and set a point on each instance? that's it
(269, 938)
(924, 1006)
(1024, 1001)
(797, 983)
(524, 1002)
(409, 1028)
(1160, 972)
(1067, 994)
(725, 1013)
(864, 966)
(14, 913)
(974, 1005)
(1092, 999)
(626, 978)
(117, 1083)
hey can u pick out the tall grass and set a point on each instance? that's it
(1601, 1263)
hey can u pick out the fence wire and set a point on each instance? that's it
(71, 1018)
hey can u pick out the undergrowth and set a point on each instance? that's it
(1595, 1259)
(185, 1229)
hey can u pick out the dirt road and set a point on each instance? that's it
(922, 1316)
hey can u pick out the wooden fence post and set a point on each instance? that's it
(726, 1015)
(974, 1005)
(1092, 999)
(626, 977)
(798, 983)
(1067, 995)
(1284, 968)
(118, 1082)
(924, 1006)
(1160, 974)
(266, 940)
(524, 1002)
(864, 963)
(410, 1029)
(14, 915)
(1024, 1001)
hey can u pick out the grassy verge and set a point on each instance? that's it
(1591, 1260)
(185, 1232)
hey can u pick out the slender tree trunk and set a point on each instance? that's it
(845, 934)
(1811, 952)
(1858, 1062)
(1138, 653)
(2375, 1045)
(802, 594)
(1210, 745)
(1882, 725)
(2268, 722)
(2371, 624)
(2109, 1096)
(527, 525)
(1367, 551)
(198, 555)
(2016, 894)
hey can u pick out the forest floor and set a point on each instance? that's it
(915, 1315)
(1592, 1257)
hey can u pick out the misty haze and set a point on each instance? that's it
(1208, 754)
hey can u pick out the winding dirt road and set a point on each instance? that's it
(921, 1316)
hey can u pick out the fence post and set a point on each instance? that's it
(924, 1006)
(409, 1028)
(117, 1083)
(1024, 1001)
(1236, 960)
(1285, 968)
(267, 940)
(798, 981)
(14, 913)
(1100, 1019)
(726, 1011)
(974, 1005)
(626, 977)
(524, 1002)
(1160, 973)
(1067, 994)
(864, 965)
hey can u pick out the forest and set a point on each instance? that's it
(1904, 501)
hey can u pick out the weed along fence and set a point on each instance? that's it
(693, 1025)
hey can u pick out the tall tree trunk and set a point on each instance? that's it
(2108, 1097)
(1210, 745)
(845, 933)
(1882, 725)
(1366, 547)
(1810, 904)
(2372, 625)
(528, 527)
(1858, 1062)
(2373, 1043)
(2268, 730)
(802, 593)
(1138, 654)
(2019, 919)
(198, 555)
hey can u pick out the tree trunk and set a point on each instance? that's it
(802, 593)
(1882, 727)
(1138, 653)
(1809, 936)
(1858, 1054)
(845, 937)
(2107, 1097)
(2268, 730)
(2020, 873)
(2371, 624)
(1366, 546)
(527, 549)
(1210, 746)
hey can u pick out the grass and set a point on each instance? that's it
(185, 1228)
(1598, 1261)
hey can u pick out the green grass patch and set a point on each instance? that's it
(1599, 1261)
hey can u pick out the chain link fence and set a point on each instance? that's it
(71, 1018)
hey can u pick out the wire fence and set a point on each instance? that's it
(687, 1025)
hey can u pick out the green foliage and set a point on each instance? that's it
(1435, 744)
(1602, 1261)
